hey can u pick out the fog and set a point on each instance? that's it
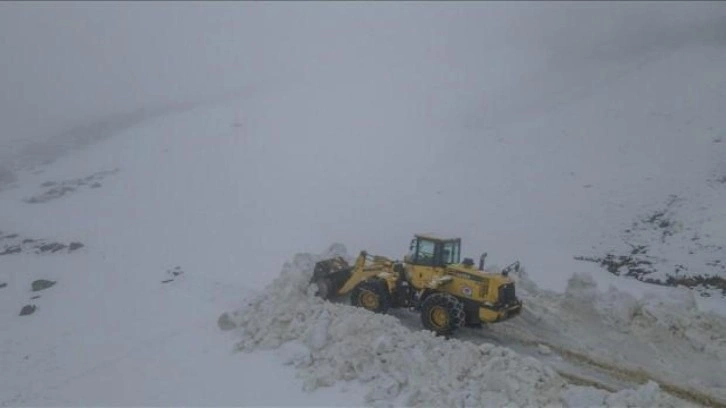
(65, 63)
(348, 98)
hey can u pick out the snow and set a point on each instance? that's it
(228, 191)
(107, 337)
(660, 335)
(329, 342)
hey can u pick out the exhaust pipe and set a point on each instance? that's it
(482, 258)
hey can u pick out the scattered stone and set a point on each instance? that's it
(60, 189)
(174, 272)
(74, 245)
(16, 244)
(52, 247)
(35, 297)
(41, 284)
(225, 322)
(13, 249)
(645, 261)
(27, 310)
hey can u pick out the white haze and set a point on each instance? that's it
(65, 63)
(367, 105)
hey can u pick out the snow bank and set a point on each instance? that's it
(658, 317)
(330, 342)
(658, 334)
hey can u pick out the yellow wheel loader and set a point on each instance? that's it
(448, 293)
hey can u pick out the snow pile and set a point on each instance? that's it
(644, 396)
(657, 335)
(330, 342)
(653, 317)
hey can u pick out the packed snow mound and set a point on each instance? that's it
(658, 335)
(329, 342)
(653, 317)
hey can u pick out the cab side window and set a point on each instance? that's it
(450, 253)
(425, 255)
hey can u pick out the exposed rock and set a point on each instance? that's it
(644, 261)
(13, 249)
(27, 310)
(14, 244)
(60, 189)
(2, 285)
(74, 245)
(51, 247)
(41, 284)
(225, 322)
(173, 273)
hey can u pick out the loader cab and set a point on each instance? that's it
(426, 250)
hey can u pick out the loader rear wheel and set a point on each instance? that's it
(442, 313)
(373, 295)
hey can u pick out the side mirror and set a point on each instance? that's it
(482, 258)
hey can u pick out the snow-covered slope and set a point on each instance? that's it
(573, 178)
(227, 192)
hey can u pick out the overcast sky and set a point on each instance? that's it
(64, 63)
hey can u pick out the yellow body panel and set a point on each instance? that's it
(366, 267)
(464, 282)
(490, 316)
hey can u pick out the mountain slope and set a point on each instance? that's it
(226, 192)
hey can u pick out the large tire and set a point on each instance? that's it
(442, 313)
(373, 295)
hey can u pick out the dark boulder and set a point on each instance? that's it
(74, 245)
(41, 284)
(27, 310)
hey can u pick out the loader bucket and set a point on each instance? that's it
(330, 275)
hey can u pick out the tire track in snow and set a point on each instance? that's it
(582, 368)
(576, 367)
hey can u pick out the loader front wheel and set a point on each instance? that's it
(373, 295)
(442, 313)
